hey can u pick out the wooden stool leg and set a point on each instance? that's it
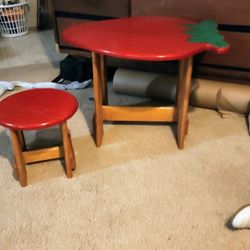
(98, 76)
(22, 140)
(15, 169)
(66, 148)
(183, 99)
(72, 153)
(186, 126)
(18, 157)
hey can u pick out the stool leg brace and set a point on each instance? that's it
(22, 156)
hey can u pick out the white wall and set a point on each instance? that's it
(33, 13)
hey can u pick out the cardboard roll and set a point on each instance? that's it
(221, 96)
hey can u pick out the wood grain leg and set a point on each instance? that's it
(19, 169)
(15, 169)
(180, 83)
(184, 84)
(104, 80)
(186, 126)
(72, 153)
(179, 98)
(179, 91)
(67, 149)
(22, 140)
(98, 92)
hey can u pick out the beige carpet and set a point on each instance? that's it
(138, 191)
(33, 48)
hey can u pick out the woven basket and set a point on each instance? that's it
(14, 19)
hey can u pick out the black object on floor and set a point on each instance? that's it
(78, 69)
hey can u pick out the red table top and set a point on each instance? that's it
(37, 109)
(138, 38)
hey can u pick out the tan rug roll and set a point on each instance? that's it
(145, 84)
(224, 97)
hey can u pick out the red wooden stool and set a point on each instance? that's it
(33, 110)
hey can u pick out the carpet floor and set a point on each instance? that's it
(137, 191)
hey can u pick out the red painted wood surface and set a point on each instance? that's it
(37, 109)
(137, 38)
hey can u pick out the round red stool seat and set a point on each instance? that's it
(37, 109)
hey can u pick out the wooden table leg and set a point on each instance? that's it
(183, 91)
(180, 84)
(98, 79)
(18, 157)
(104, 80)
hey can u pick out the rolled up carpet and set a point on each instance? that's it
(145, 84)
(249, 123)
(221, 96)
(226, 98)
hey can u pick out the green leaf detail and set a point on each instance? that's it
(206, 32)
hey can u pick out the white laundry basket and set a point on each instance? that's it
(14, 19)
